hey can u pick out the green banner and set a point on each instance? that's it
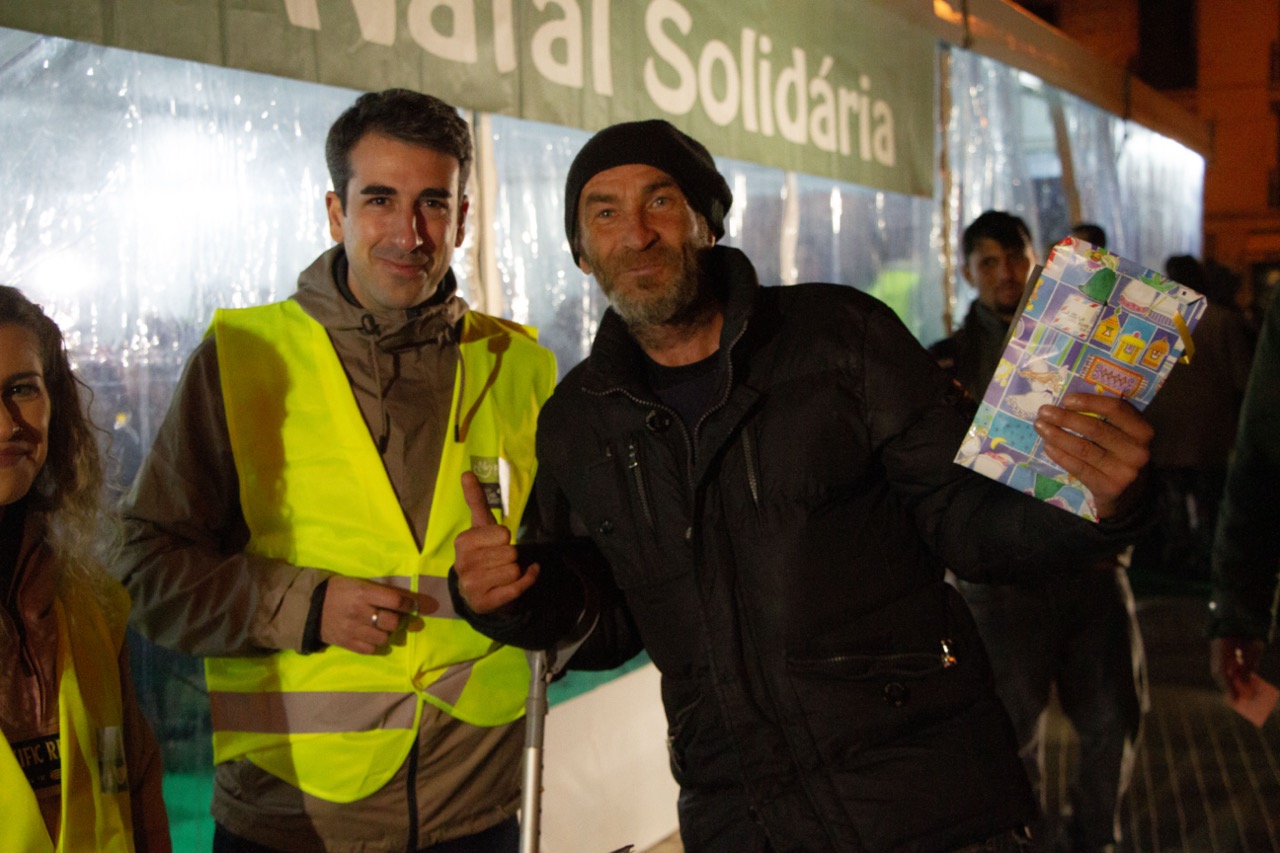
(840, 88)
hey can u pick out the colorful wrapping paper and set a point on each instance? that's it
(1092, 322)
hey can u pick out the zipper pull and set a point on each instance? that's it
(948, 659)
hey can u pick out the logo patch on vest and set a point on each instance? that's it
(111, 767)
(41, 761)
(492, 472)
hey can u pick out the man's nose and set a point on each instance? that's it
(638, 231)
(411, 230)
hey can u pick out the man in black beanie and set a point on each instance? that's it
(755, 485)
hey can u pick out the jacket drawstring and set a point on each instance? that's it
(369, 327)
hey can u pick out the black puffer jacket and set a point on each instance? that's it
(783, 566)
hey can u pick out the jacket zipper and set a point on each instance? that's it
(945, 660)
(633, 447)
(637, 477)
(633, 450)
(753, 481)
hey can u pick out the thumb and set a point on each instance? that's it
(473, 492)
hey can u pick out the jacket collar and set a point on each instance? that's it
(616, 361)
(983, 321)
(323, 293)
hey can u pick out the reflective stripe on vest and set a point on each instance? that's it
(95, 792)
(315, 493)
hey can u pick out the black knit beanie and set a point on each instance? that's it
(655, 143)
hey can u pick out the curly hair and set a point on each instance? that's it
(66, 499)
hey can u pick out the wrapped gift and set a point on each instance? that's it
(1091, 321)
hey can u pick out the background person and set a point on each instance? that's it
(1246, 551)
(1196, 415)
(1077, 631)
(79, 767)
(286, 523)
(1090, 232)
(756, 485)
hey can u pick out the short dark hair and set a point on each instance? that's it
(1186, 269)
(1090, 232)
(1005, 228)
(404, 115)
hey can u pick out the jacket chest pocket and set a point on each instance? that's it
(634, 508)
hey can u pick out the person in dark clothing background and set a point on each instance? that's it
(755, 485)
(1246, 550)
(1195, 415)
(1076, 631)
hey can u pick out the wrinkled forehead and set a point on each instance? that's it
(627, 179)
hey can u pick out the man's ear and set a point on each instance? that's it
(582, 258)
(333, 207)
(462, 223)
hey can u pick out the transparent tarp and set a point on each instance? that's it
(1161, 194)
(1095, 137)
(878, 242)
(1007, 135)
(140, 193)
(985, 147)
(535, 271)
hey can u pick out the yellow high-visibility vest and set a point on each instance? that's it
(96, 812)
(315, 493)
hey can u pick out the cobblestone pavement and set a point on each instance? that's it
(1206, 780)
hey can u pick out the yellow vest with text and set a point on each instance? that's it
(314, 492)
(95, 792)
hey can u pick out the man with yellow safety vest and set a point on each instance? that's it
(294, 521)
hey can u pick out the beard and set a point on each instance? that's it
(667, 297)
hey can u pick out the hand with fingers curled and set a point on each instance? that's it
(362, 616)
(485, 559)
(1101, 440)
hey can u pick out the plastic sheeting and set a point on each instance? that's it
(1146, 190)
(139, 194)
(794, 228)
(1162, 196)
(989, 167)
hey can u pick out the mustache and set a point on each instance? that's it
(627, 258)
(415, 257)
